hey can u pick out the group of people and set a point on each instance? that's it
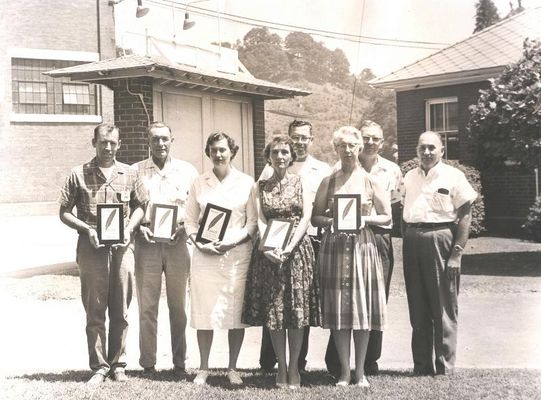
(323, 276)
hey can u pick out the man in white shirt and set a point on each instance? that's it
(436, 221)
(388, 176)
(164, 180)
(312, 171)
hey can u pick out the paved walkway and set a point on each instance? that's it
(46, 336)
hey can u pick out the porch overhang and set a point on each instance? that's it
(178, 75)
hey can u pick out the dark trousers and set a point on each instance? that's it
(267, 357)
(432, 299)
(373, 353)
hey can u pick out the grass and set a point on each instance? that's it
(464, 384)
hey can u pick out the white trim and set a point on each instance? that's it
(18, 117)
(46, 54)
(437, 100)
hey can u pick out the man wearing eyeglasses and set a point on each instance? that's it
(106, 271)
(312, 171)
(389, 177)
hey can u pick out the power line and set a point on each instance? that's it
(376, 41)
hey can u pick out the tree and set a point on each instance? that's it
(486, 14)
(506, 121)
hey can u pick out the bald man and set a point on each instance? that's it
(436, 220)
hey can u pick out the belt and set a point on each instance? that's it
(429, 225)
(380, 231)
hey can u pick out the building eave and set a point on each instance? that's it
(456, 78)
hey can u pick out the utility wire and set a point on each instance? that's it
(377, 41)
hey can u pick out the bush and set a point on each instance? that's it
(532, 226)
(474, 177)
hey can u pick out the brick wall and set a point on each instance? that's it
(410, 111)
(131, 117)
(36, 157)
(259, 135)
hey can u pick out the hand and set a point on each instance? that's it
(93, 238)
(147, 234)
(126, 242)
(363, 223)
(274, 256)
(223, 246)
(175, 237)
(208, 248)
(453, 267)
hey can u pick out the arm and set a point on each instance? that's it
(460, 239)
(382, 204)
(67, 217)
(320, 218)
(261, 220)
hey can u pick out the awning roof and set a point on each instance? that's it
(477, 58)
(178, 75)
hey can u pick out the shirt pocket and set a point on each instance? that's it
(442, 202)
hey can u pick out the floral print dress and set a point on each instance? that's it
(282, 296)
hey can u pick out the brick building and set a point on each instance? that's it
(46, 118)
(435, 93)
(45, 123)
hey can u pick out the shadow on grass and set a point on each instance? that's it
(217, 378)
(502, 264)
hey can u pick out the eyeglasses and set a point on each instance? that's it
(301, 139)
(375, 140)
(348, 145)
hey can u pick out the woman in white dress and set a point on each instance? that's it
(219, 269)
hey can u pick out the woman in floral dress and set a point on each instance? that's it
(281, 289)
(349, 266)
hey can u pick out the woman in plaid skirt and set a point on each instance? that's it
(351, 277)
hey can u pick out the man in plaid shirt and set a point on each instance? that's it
(106, 272)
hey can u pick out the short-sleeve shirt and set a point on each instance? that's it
(437, 195)
(86, 187)
(312, 171)
(169, 185)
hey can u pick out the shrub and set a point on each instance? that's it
(474, 177)
(532, 226)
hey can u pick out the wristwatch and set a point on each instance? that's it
(458, 248)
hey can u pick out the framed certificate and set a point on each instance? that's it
(110, 223)
(163, 221)
(213, 224)
(277, 234)
(347, 212)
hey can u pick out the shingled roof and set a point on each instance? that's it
(479, 57)
(178, 75)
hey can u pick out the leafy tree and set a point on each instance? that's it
(506, 121)
(486, 14)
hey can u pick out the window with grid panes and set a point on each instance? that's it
(36, 93)
(442, 117)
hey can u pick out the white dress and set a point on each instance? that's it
(217, 283)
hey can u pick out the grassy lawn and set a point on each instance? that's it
(464, 384)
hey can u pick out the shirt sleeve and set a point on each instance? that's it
(463, 191)
(267, 172)
(68, 193)
(191, 220)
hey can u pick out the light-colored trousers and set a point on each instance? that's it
(106, 286)
(151, 260)
(432, 298)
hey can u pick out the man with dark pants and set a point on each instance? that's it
(388, 175)
(106, 272)
(436, 222)
(312, 171)
(163, 180)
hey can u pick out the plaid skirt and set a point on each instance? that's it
(351, 282)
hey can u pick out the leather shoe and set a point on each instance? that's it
(119, 375)
(234, 377)
(149, 372)
(371, 369)
(97, 379)
(201, 377)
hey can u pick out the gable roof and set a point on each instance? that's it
(477, 58)
(179, 75)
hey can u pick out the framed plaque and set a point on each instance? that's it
(277, 234)
(347, 213)
(213, 224)
(163, 221)
(110, 223)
